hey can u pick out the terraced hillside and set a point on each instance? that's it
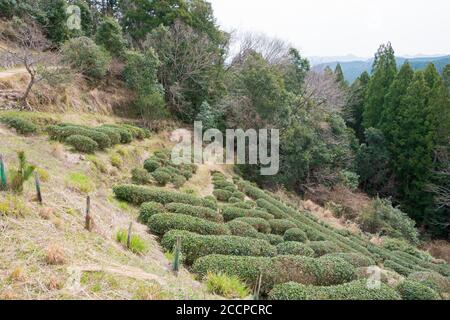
(248, 233)
(223, 228)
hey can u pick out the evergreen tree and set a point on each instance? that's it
(353, 111)
(340, 76)
(109, 35)
(446, 75)
(384, 70)
(296, 71)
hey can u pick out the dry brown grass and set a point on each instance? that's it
(17, 274)
(55, 255)
(439, 249)
(46, 213)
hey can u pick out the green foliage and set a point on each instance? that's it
(280, 226)
(383, 72)
(273, 239)
(277, 213)
(412, 290)
(140, 176)
(209, 116)
(160, 224)
(85, 56)
(151, 165)
(226, 286)
(259, 224)
(232, 212)
(194, 211)
(354, 108)
(355, 259)
(109, 35)
(195, 246)
(149, 209)
(382, 217)
(321, 248)
(294, 248)
(22, 125)
(222, 195)
(356, 290)
(137, 244)
(21, 174)
(178, 180)
(242, 229)
(295, 72)
(80, 182)
(295, 234)
(53, 18)
(280, 269)
(161, 176)
(138, 195)
(432, 280)
(82, 143)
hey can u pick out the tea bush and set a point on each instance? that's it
(149, 209)
(258, 223)
(82, 143)
(295, 234)
(195, 211)
(294, 248)
(323, 247)
(280, 226)
(242, 229)
(412, 290)
(231, 212)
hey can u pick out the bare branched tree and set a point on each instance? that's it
(441, 191)
(273, 50)
(25, 45)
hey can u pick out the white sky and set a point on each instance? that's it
(340, 27)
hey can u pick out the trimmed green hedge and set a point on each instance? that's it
(273, 239)
(151, 165)
(149, 209)
(231, 212)
(355, 259)
(294, 248)
(323, 247)
(295, 234)
(159, 224)
(242, 229)
(394, 266)
(244, 204)
(277, 213)
(113, 134)
(194, 211)
(280, 269)
(222, 195)
(161, 176)
(259, 224)
(280, 226)
(413, 290)
(22, 126)
(82, 143)
(194, 246)
(355, 290)
(138, 195)
(140, 176)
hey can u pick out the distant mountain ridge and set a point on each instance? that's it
(352, 69)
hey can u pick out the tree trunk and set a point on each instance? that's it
(24, 99)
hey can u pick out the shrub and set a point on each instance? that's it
(278, 269)
(195, 211)
(149, 209)
(295, 234)
(161, 176)
(258, 223)
(355, 259)
(222, 195)
(82, 143)
(234, 200)
(273, 239)
(355, 290)
(383, 218)
(61, 133)
(394, 266)
(242, 229)
(109, 35)
(231, 212)
(402, 245)
(137, 244)
(151, 165)
(125, 134)
(280, 226)
(226, 286)
(116, 160)
(277, 213)
(88, 58)
(294, 248)
(313, 234)
(194, 246)
(159, 224)
(140, 176)
(432, 280)
(22, 126)
(412, 290)
(21, 174)
(210, 202)
(178, 181)
(113, 134)
(323, 247)
(244, 205)
(138, 195)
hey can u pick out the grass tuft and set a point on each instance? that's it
(226, 286)
(137, 245)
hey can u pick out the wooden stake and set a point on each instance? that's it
(3, 180)
(88, 222)
(38, 187)
(129, 236)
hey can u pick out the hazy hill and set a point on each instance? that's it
(352, 69)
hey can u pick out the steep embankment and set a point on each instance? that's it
(45, 251)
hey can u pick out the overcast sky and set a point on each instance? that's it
(341, 27)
